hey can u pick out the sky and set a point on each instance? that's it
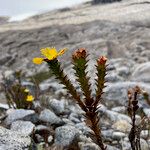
(20, 9)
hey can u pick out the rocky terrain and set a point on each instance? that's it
(120, 30)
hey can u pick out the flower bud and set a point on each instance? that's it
(80, 53)
(102, 60)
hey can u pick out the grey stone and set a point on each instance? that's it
(116, 93)
(123, 71)
(88, 146)
(144, 144)
(74, 118)
(122, 125)
(50, 117)
(48, 84)
(118, 135)
(3, 20)
(41, 127)
(141, 73)
(65, 135)
(144, 134)
(107, 134)
(115, 50)
(83, 127)
(104, 1)
(4, 106)
(114, 116)
(67, 121)
(12, 140)
(24, 127)
(17, 114)
(147, 112)
(113, 77)
(120, 109)
(58, 106)
(5, 58)
(111, 148)
(126, 144)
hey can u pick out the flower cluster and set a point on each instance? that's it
(29, 97)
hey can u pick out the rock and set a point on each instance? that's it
(144, 144)
(114, 116)
(3, 107)
(115, 50)
(107, 134)
(118, 135)
(24, 127)
(17, 114)
(122, 125)
(113, 77)
(58, 106)
(5, 58)
(48, 116)
(120, 109)
(83, 127)
(65, 135)
(41, 127)
(104, 1)
(50, 139)
(147, 112)
(126, 144)
(85, 139)
(34, 118)
(141, 73)
(111, 148)
(3, 20)
(119, 64)
(88, 146)
(123, 71)
(67, 121)
(12, 140)
(74, 118)
(50, 84)
(116, 93)
(144, 134)
(146, 53)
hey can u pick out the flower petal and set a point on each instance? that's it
(49, 53)
(62, 51)
(26, 90)
(37, 60)
(30, 98)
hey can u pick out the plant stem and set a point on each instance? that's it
(54, 65)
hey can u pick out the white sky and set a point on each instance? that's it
(25, 7)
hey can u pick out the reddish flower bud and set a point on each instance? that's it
(102, 60)
(80, 53)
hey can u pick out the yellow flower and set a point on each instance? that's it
(37, 60)
(30, 98)
(49, 53)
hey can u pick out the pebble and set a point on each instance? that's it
(17, 114)
(24, 127)
(65, 135)
(13, 140)
(50, 117)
